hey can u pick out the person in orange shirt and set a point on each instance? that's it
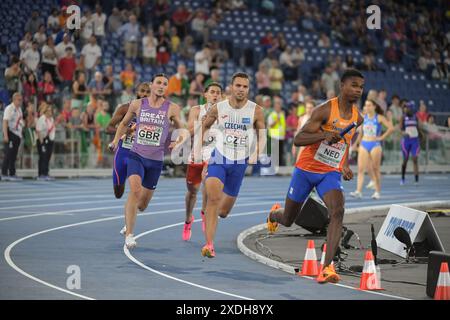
(322, 164)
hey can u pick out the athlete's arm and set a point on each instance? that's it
(210, 118)
(193, 117)
(117, 117)
(260, 125)
(122, 128)
(310, 133)
(388, 125)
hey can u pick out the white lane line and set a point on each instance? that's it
(7, 253)
(113, 207)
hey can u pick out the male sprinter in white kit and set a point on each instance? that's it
(236, 117)
(197, 167)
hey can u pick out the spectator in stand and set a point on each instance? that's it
(50, 59)
(115, 20)
(66, 69)
(46, 89)
(329, 79)
(198, 26)
(276, 77)
(441, 72)
(287, 65)
(80, 91)
(267, 106)
(99, 24)
(127, 95)
(87, 26)
(161, 12)
(31, 58)
(149, 44)
(187, 49)
(196, 88)
(61, 47)
(297, 56)
(276, 125)
(30, 90)
(128, 76)
(33, 23)
(174, 40)
(131, 37)
(203, 60)
(422, 115)
(53, 20)
(96, 87)
(291, 128)
(163, 48)
(13, 75)
(324, 41)
(178, 86)
(381, 100)
(26, 43)
(40, 37)
(263, 80)
(397, 112)
(181, 18)
(91, 56)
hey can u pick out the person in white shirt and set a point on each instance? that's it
(40, 36)
(45, 129)
(49, 58)
(87, 26)
(91, 54)
(61, 47)
(149, 44)
(12, 135)
(53, 20)
(202, 61)
(99, 24)
(31, 58)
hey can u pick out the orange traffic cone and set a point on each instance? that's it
(310, 267)
(369, 279)
(322, 258)
(443, 285)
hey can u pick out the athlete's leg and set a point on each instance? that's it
(214, 187)
(375, 156)
(144, 198)
(334, 201)
(191, 200)
(226, 204)
(405, 153)
(300, 187)
(363, 163)
(131, 206)
(287, 215)
(119, 190)
(416, 168)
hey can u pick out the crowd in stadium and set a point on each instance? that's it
(66, 70)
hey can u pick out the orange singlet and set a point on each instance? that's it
(321, 157)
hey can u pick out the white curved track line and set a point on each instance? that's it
(7, 252)
(142, 265)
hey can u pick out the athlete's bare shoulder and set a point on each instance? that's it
(322, 111)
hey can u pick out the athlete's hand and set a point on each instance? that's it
(332, 137)
(347, 173)
(112, 146)
(131, 130)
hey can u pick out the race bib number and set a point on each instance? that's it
(127, 143)
(370, 130)
(330, 154)
(412, 132)
(235, 141)
(150, 136)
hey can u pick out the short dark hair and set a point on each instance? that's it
(348, 73)
(213, 84)
(239, 75)
(159, 75)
